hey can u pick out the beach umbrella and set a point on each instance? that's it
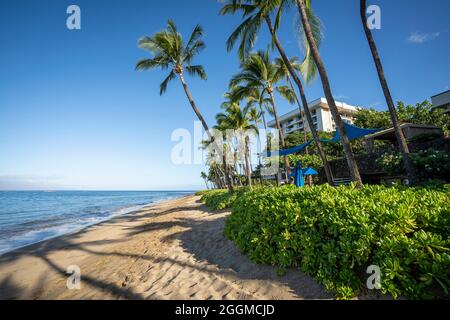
(298, 173)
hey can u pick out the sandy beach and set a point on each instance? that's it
(172, 250)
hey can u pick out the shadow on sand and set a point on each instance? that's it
(203, 238)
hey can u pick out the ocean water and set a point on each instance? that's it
(28, 217)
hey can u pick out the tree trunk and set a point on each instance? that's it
(305, 136)
(263, 117)
(280, 132)
(404, 149)
(353, 167)
(308, 115)
(217, 178)
(247, 164)
(205, 126)
(227, 175)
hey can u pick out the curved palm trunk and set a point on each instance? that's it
(305, 136)
(263, 117)
(404, 149)
(280, 132)
(205, 126)
(217, 179)
(351, 162)
(308, 115)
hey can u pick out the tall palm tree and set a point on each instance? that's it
(169, 51)
(308, 71)
(404, 149)
(237, 119)
(284, 70)
(256, 13)
(304, 7)
(259, 72)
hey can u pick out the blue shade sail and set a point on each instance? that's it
(287, 152)
(353, 133)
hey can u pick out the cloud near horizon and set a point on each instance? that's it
(419, 38)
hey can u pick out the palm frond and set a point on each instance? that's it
(287, 93)
(308, 67)
(193, 50)
(146, 64)
(163, 85)
(197, 33)
(197, 71)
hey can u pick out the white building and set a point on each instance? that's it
(442, 101)
(321, 114)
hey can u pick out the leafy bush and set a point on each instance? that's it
(420, 113)
(221, 199)
(307, 160)
(201, 192)
(425, 137)
(334, 234)
(391, 163)
(431, 161)
(427, 162)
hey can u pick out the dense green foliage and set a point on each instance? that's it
(334, 234)
(221, 199)
(430, 163)
(421, 113)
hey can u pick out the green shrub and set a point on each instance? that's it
(425, 137)
(334, 234)
(221, 199)
(427, 162)
(391, 163)
(201, 192)
(431, 161)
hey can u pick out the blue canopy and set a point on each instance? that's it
(287, 152)
(353, 132)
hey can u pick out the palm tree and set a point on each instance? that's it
(215, 167)
(284, 70)
(259, 72)
(255, 96)
(204, 176)
(255, 13)
(304, 8)
(237, 119)
(212, 153)
(404, 149)
(254, 115)
(170, 52)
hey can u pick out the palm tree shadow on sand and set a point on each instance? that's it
(206, 242)
(201, 238)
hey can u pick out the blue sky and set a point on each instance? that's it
(75, 115)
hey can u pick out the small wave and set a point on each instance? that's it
(47, 233)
